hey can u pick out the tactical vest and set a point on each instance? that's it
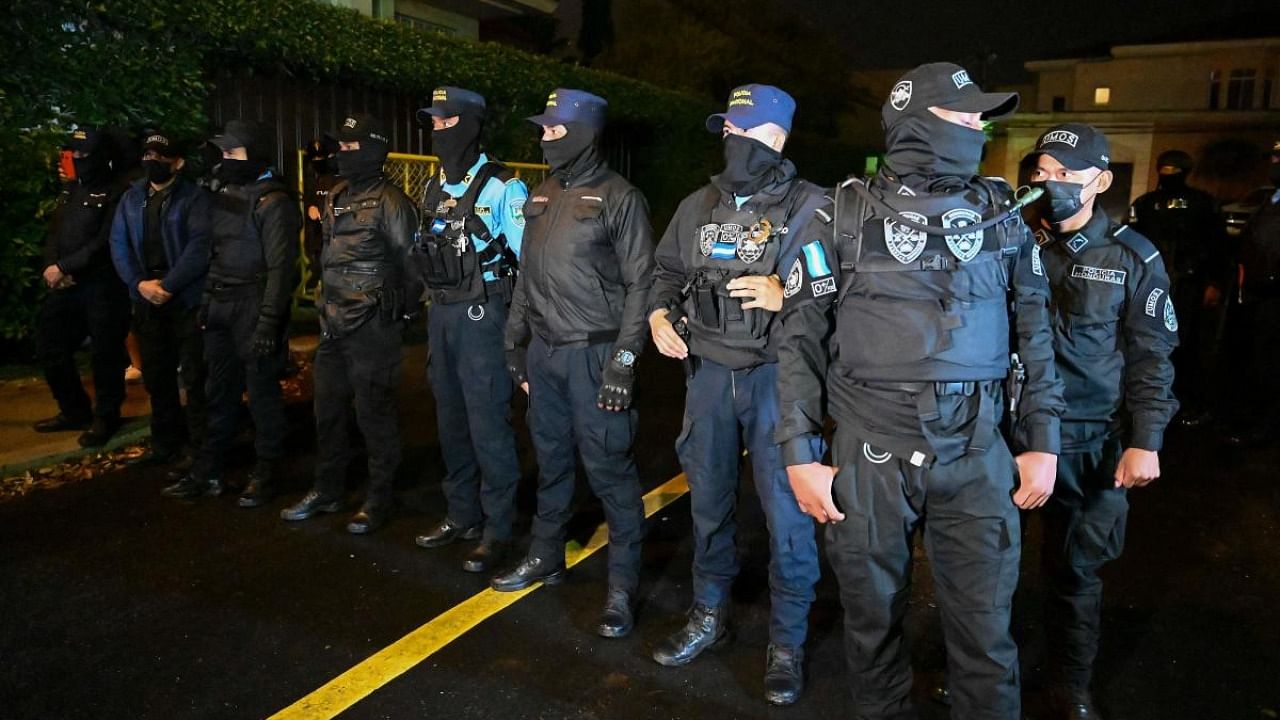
(235, 240)
(914, 306)
(446, 250)
(725, 251)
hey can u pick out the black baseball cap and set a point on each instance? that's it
(160, 143)
(360, 127)
(948, 86)
(1076, 145)
(451, 101)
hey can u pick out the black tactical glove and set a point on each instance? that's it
(616, 381)
(516, 366)
(266, 341)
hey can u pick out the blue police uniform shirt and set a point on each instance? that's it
(499, 205)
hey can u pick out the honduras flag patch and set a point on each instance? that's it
(815, 260)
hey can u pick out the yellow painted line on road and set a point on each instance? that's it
(393, 661)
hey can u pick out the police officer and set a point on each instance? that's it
(369, 230)
(323, 176)
(1114, 329)
(1254, 320)
(916, 268)
(472, 223)
(717, 272)
(245, 316)
(160, 247)
(86, 298)
(1184, 224)
(579, 307)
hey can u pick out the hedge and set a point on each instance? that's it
(135, 62)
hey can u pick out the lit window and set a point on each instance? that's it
(1102, 96)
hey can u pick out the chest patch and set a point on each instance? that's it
(905, 244)
(1096, 274)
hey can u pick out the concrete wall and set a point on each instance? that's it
(1172, 82)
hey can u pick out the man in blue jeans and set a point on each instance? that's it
(717, 272)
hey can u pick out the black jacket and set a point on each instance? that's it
(909, 311)
(1114, 328)
(79, 236)
(1187, 229)
(586, 263)
(254, 244)
(369, 232)
(708, 243)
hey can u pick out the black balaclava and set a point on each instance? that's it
(458, 147)
(1173, 181)
(159, 171)
(749, 166)
(239, 172)
(364, 165)
(93, 168)
(921, 145)
(574, 153)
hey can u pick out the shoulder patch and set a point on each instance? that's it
(1136, 242)
(815, 260)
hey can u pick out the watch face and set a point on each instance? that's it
(625, 357)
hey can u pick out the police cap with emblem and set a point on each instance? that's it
(84, 139)
(1076, 145)
(449, 102)
(361, 127)
(948, 86)
(754, 105)
(566, 105)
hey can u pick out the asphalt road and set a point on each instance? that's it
(118, 603)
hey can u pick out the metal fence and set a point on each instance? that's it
(411, 172)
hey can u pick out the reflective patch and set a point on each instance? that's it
(483, 210)
(900, 96)
(905, 191)
(1077, 242)
(873, 456)
(1095, 274)
(1043, 237)
(961, 79)
(964, 246)
(1170, 317)
(1037, 266)
(904, 243)
(1153, 301)
(815, 259)
(795, 279)
(825, 286)
(476, 312)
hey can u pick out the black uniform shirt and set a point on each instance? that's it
(157, 264)
(1114, 328)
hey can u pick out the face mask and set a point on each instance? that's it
(359, 166)
(88, 170)
(238, 172)
(563, 154)
(749, 165)
(158, 171)
(1062, 200)
(1175, 181)
(458, 147)
(924, 144)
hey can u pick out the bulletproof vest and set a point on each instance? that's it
(445, 251)
(235, 239)
(913, 306)
(743, 243)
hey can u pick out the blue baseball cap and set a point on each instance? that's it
(754, 105)
(451, 101)
(565, 105)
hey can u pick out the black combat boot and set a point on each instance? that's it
(618, 618)
(261, 487)
(784, 675)
(706, 627)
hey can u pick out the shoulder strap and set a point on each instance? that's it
(1136, 242)
(466, 203)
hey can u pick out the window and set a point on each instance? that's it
(1240, 89)
(1268, 80)
(1059, 103)
(1215, 89)
(420, 24)
(1102, 96)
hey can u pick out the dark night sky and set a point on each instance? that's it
(903, 33)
